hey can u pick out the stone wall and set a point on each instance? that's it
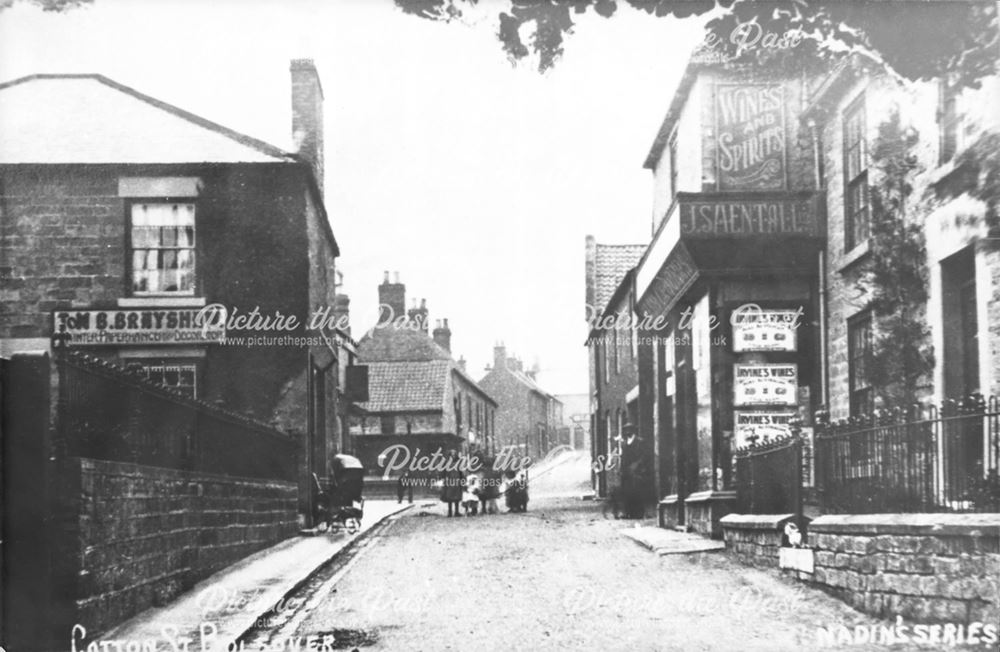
(755, 539)
(132, 537)
(924, 567)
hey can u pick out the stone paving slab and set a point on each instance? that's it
(669, 542)
(223, 607)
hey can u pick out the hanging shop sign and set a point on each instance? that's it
(761, 426)
(135, 327)
(750, 136)
(765, 384)
(766, 330)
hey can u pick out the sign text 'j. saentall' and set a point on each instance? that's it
(746, 217)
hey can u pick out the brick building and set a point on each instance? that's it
(419, 396)
(528, 417)
(615, 349)
(611, 352)
(123, 219)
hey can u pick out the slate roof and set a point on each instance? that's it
(407, 386)
(612, 263)
(92, 119)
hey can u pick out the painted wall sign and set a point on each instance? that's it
(766, 330)
(135, 327)
(765, 384)
(712, 218)
(761, 426)
(750, 136)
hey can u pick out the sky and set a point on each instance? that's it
(476, 180)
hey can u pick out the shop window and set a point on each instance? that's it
(857, 214)
(859, 353)
(163, 248)
(181, 377)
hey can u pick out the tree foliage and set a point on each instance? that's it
(979, 167)
(919, 39)
(48, 5)
(897, 272)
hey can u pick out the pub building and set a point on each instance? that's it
(729, 283)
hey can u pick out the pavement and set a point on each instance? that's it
(222, 608)
(670, 542)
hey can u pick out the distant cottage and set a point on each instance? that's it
(419, 396)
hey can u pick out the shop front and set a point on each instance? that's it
(728, 304)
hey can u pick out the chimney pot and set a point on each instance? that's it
(386, 278)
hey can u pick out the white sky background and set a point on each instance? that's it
(476, 181)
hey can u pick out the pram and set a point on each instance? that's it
(342, 504)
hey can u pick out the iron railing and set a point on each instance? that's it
(108, 412)
(769, 477)
(925, 459)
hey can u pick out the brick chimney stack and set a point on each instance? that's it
(419, 315)
(307, 115)
(391, 296)
(499, 356)
(442, 335)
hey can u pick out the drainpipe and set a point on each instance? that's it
(821, 269)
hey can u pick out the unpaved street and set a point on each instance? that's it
(559, 577)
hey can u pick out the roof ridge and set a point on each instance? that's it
(241, 138)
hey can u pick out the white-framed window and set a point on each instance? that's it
(163, 248)
(178, 376)
(857, 214)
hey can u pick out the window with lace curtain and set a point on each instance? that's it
(163, 248)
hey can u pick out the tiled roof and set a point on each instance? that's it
(407, 386)
(92, 119)
(407, 370)
(612, 263)
(393, 344)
